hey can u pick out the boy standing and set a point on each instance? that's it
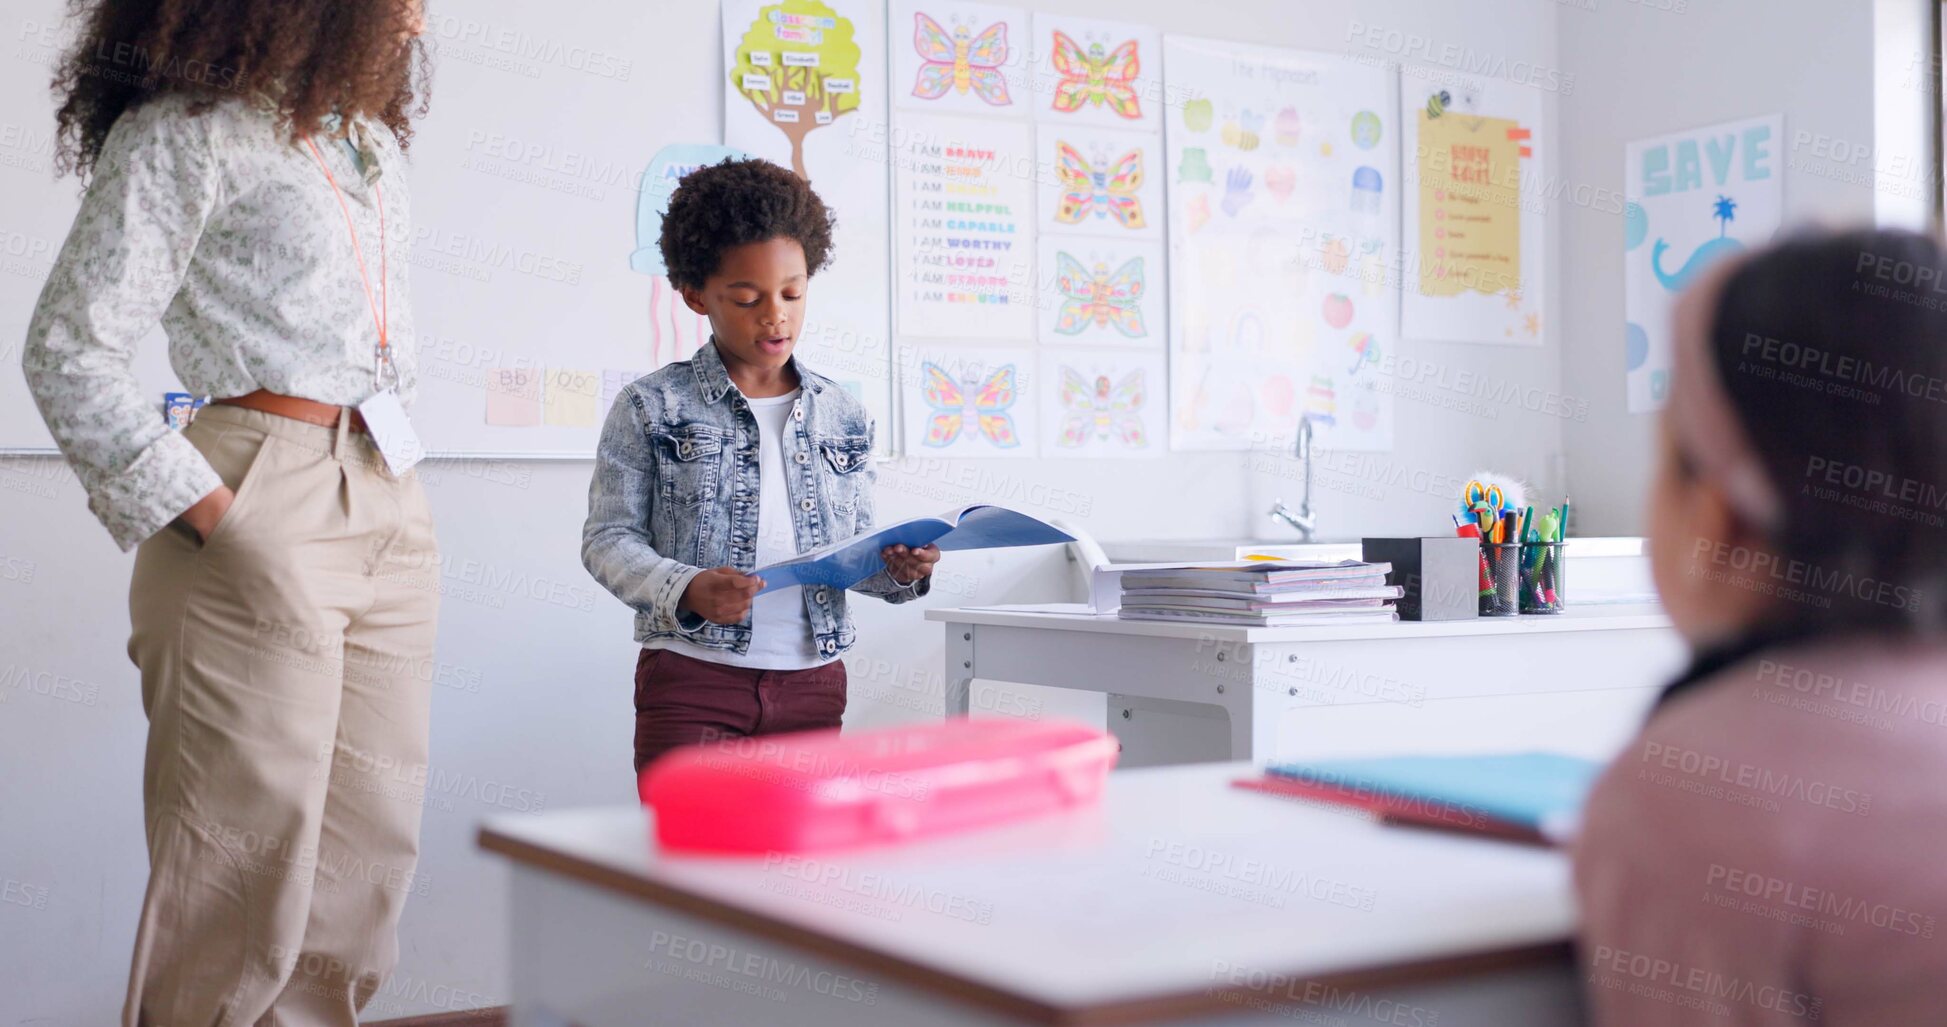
(734, 459)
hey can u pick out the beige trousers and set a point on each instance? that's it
(286, 672)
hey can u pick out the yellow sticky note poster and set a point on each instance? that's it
(1470, 204)
(569, 396)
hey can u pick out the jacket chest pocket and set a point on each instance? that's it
(846, 458)
(690, 461)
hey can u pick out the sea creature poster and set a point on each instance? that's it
(1284, 229)
(1691, 199)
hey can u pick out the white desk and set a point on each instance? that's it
(1180, 899)
(1188, 693)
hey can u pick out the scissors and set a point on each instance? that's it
(1483, 504)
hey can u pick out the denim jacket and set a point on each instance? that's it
(675, 491)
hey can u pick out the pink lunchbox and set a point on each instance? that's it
(817, 790)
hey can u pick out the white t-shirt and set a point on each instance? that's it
(780, 629)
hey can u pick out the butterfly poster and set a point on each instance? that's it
(960, 58)
(1099, 182)
(1102, 403)
(1281, 169)
(1098, 291)
(1097, 72)
(968, 401)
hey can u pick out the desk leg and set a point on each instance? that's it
(959, 669)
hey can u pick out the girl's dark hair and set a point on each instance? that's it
(310, 58)
(1832, 348)
(736, 202)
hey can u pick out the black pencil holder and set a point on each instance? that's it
(1500, 592)
(1544, 586)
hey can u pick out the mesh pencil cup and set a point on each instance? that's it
(1500, 592)
(1543, 586)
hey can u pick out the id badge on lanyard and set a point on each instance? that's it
(385, 417)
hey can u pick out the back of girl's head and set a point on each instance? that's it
(1832, 350)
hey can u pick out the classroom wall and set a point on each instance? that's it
(1646, 67)
(531, 708)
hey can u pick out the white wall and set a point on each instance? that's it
(533, 708)
(1646, 67)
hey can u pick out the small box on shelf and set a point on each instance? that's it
(1440, 575)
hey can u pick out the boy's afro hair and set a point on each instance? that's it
(736, 202)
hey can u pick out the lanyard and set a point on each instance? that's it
(381, 308)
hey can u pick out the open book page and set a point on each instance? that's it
(846, 563)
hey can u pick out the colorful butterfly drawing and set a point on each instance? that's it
(1110, 193)
(955, 402)
(1098, 297)
(961, 61)
(1098, 411)
(1095, 78)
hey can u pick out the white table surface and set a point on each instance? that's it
(1593, 618)
(1175, 875)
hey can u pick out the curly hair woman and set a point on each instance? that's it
(246, 192)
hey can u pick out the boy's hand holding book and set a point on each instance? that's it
(721, 595)
(908, 564)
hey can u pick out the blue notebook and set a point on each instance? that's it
(1537, 794)
(844, 564)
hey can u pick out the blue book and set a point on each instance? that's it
(1533, 795)
(844, 564)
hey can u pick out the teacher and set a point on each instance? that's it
(246, 191)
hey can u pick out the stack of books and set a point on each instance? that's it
(1265, 593)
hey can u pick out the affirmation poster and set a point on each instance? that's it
(960, 58)
(1097, 72)
(802, 75)
(1282, 229)
(963, 226)
(1474, 270)
(1691, 199)
(1101, 403)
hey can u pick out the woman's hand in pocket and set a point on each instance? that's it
(208, 512)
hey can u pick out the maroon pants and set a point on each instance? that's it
(681, 700)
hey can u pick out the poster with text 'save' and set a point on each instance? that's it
(806, 88)
(1690, 199)
(964, 227)
(1475, 210)
(1283, 226)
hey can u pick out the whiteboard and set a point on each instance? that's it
(524, 181)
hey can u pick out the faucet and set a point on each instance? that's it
(1304, 518)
